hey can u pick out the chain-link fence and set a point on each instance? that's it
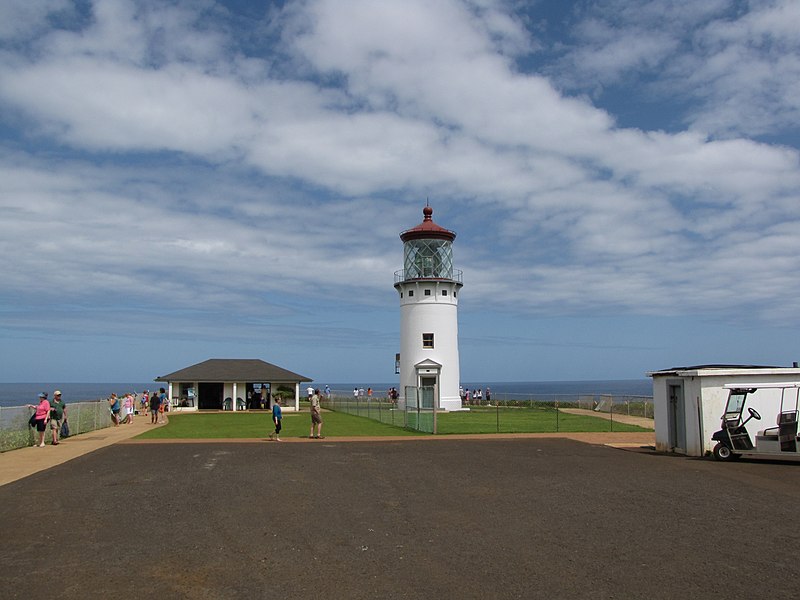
(382, 410)
(506, 413)
(81, 416)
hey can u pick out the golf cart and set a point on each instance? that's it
(779, 442)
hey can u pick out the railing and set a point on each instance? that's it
(509, 413)
(82, 417)
(414, 274)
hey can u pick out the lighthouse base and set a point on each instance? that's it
(451, 404)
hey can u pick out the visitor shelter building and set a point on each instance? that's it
(231, 384)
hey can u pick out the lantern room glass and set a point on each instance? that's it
(428, 258)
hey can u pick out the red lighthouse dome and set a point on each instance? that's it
(428, 229)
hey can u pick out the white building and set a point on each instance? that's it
(428, 286)
(688, 402)
(230, 384)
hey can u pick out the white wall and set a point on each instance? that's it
(435, 314)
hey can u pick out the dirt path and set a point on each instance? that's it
(628, 420)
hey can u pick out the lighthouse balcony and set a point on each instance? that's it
(427, 274)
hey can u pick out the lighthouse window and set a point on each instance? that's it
(427, 340)
(444, 292)
(427, 292)
(410, 293)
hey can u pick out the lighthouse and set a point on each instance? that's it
(428, 287)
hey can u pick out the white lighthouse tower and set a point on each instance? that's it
(429, 286)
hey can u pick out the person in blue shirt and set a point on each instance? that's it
(115, 408)
(276, 418)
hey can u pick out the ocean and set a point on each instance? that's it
(19, 394)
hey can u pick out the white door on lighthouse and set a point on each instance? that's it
(427, 388)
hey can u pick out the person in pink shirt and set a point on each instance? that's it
(42, 417)
(129, 404)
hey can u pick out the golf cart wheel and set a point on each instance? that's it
(722, 452)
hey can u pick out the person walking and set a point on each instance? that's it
(163, 406)
(41, 416)
(316, 418)
(276, 418)
(129, 405)
(58, 413)
(155, 402)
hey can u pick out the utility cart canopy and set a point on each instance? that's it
(771, 384)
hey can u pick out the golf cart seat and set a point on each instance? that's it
(787, 426)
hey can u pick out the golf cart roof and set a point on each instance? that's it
(770, 384)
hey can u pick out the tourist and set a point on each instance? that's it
(155, 401)
(129, 404)
(355, 392)
(40, 416)
(276, 418)
(328, 393)
(316, 418)
(489, 396)
(58, 412)
(163, 404)
(115, 408)
(145, 399)
(310, 392)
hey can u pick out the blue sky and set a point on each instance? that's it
(191, 180)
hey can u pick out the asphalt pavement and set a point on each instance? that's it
(530, 517)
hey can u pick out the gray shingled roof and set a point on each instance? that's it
(233, 369)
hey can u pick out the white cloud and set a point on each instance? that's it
(740, 63)
(279, 181)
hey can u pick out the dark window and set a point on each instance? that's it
(444, 292)
(427, 292)
(410, 293)
(427, 340)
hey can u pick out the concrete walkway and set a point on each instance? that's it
(17, 464)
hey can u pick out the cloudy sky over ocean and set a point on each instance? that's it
(191, 180)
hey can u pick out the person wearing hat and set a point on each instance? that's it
(316, 418)
(40, 417)
(58, 413)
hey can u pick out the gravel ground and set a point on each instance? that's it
(520, 518)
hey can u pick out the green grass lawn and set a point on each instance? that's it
(523, 420)
(477, 420)
(259, 425)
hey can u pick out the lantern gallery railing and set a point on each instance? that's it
(412, 274)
